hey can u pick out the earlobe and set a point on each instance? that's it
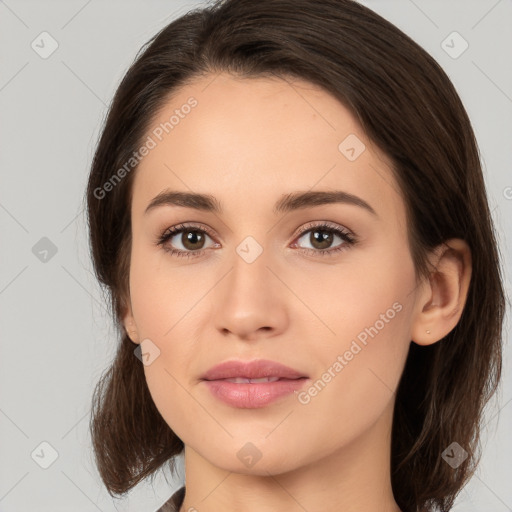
(133, 333)
(130, 326)
(441, 301)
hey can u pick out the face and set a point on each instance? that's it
(324, 285)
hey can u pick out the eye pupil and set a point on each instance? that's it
(324, 239)
(192, 237)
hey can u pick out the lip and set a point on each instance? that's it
(252, 395)
(254, 369)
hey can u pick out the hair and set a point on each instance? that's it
(407, 106)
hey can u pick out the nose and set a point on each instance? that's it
(251, 301)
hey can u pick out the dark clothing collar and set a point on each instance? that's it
(174, 503)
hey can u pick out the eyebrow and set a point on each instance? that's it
(287, 203)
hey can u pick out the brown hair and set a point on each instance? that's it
(408, 107)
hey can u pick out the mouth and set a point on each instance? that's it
(254, 371)
(244, 393)
(261, 380)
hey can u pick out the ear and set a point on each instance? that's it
(441, 301)
(129, 324)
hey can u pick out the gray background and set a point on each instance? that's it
(56, 335)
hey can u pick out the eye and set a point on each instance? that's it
(322, 236)
(191, 239)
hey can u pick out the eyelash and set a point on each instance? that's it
(348, 238)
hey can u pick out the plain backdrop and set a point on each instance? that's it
(56, 335)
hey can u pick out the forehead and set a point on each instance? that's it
(239, 138)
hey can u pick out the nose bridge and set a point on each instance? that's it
(249, 274)
(249, 299)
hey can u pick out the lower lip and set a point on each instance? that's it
(252, 396)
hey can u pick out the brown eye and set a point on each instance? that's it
(192, 239)
(322, 237)
(184, 241)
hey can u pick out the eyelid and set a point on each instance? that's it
(191, 225)
(324, 223)
(306, 227)
(348, 237)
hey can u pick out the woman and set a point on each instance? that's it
(287, 207)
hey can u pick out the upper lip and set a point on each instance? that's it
(255, 369)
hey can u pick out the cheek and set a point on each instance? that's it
(364, 298)
(159, 297)
(367, 312)
(358, 371)
(164, 313)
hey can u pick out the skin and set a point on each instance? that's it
(248, 142)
